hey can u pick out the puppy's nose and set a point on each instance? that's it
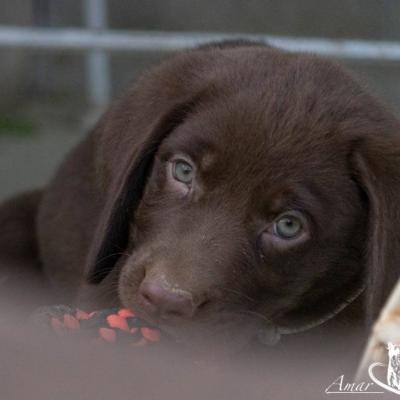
(166, 302)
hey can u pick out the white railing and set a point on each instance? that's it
(97, 41)
(114, 41)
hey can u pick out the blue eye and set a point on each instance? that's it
(288, 225)
(183, 172)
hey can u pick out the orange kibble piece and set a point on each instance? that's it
(152, 335)
(71, 322)
(108, 334)
(125, 313)
(116, 321)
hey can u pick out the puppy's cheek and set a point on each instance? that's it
(130, 278)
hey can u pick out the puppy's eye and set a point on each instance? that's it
(183, 172)
(289, 225)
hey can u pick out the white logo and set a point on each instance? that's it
(340, 386)
(392, 384)
(393, 370)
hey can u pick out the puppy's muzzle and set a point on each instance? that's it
(159, 300)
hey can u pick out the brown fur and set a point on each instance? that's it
(268, 131)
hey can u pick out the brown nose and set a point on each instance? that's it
(165, 302)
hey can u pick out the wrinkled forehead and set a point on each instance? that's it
(243, 136)
(268, 142)
(276, 117)
(242, 151)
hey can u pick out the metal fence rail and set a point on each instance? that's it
(97, 61)
(96, 41)
(84, 39)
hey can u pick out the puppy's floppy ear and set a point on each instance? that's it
(125, 192)
(376, 167)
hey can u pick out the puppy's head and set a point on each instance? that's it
(247, 187)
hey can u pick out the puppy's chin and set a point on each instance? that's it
(208, 343)
(208, 338)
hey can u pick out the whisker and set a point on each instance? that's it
(112, 255)
(239, 293)
(99, 273)
(255, 314)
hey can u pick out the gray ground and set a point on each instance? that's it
(29, 163)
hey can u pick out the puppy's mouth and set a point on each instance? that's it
(228, 332)
(213, 323)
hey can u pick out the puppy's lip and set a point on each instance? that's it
(158, 319)
(170, 326)
(175, 328)
(166, 326)
(189, 331)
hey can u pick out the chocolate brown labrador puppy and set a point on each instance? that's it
(234, 187)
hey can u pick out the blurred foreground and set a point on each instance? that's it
(37, 365)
